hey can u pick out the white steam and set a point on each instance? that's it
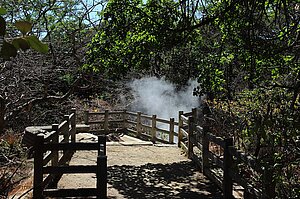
(159, 97)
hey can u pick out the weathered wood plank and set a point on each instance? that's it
(184, 132)
(188, 114)
(215, 159)
(163, 121)
(96, 122)
(79, 192)
(213, 178)
(131, 122)
(199, 130)
(185, 119)
(143, 116)
(96, 113)
(130, 113)
(71, 146)
(116, 121)
(184, 147)
(70, 169)
(48, 158)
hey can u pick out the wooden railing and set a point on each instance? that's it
(226, 165)
(50, 165)
(141, 125)
(223, 166)
(220, 165)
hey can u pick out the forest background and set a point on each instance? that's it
(244, 54)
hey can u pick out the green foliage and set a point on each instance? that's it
(24, 42)
(133, 35)
(68, 78)
(247, 55)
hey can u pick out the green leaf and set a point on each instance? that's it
(23, 26)
(20, 43)
(8, 51)
(2, 11)
(36, 44)
(2, 26)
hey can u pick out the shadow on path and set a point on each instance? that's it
(176, 180)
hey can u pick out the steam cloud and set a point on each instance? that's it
(159, 97)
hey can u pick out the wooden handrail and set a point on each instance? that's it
(51, 144)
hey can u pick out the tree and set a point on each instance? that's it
(138, 36)
(245, 53)
(10, 49)
(32, 80)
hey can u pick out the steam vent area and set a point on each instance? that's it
(118, 154)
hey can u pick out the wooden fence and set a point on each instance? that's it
(226, 166)
(50, 165)
(146, 126)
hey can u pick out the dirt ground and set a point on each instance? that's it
(138, 169)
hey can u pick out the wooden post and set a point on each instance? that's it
(153, 129)
(194, 115)
(138, 124)
(125, 120)
(171, 135)
(268, 182)
(205, 150)
(67, 132)
(180, 124)
(38, 168)
(228, 161)
(73, 125)
(190, 135)
(102, 177)
(86, 117)
(102, 145)
(54, 161)
(102, 168)
(106, 114)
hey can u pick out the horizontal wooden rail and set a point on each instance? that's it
(163, 121)
(146, 117)
(71, 146)
(184, 119)
(215, 159)
(131, 122)
(49, 165)
(131, 113)
(78, 192)
(70, 169)
(216, 140)
(215, 178)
